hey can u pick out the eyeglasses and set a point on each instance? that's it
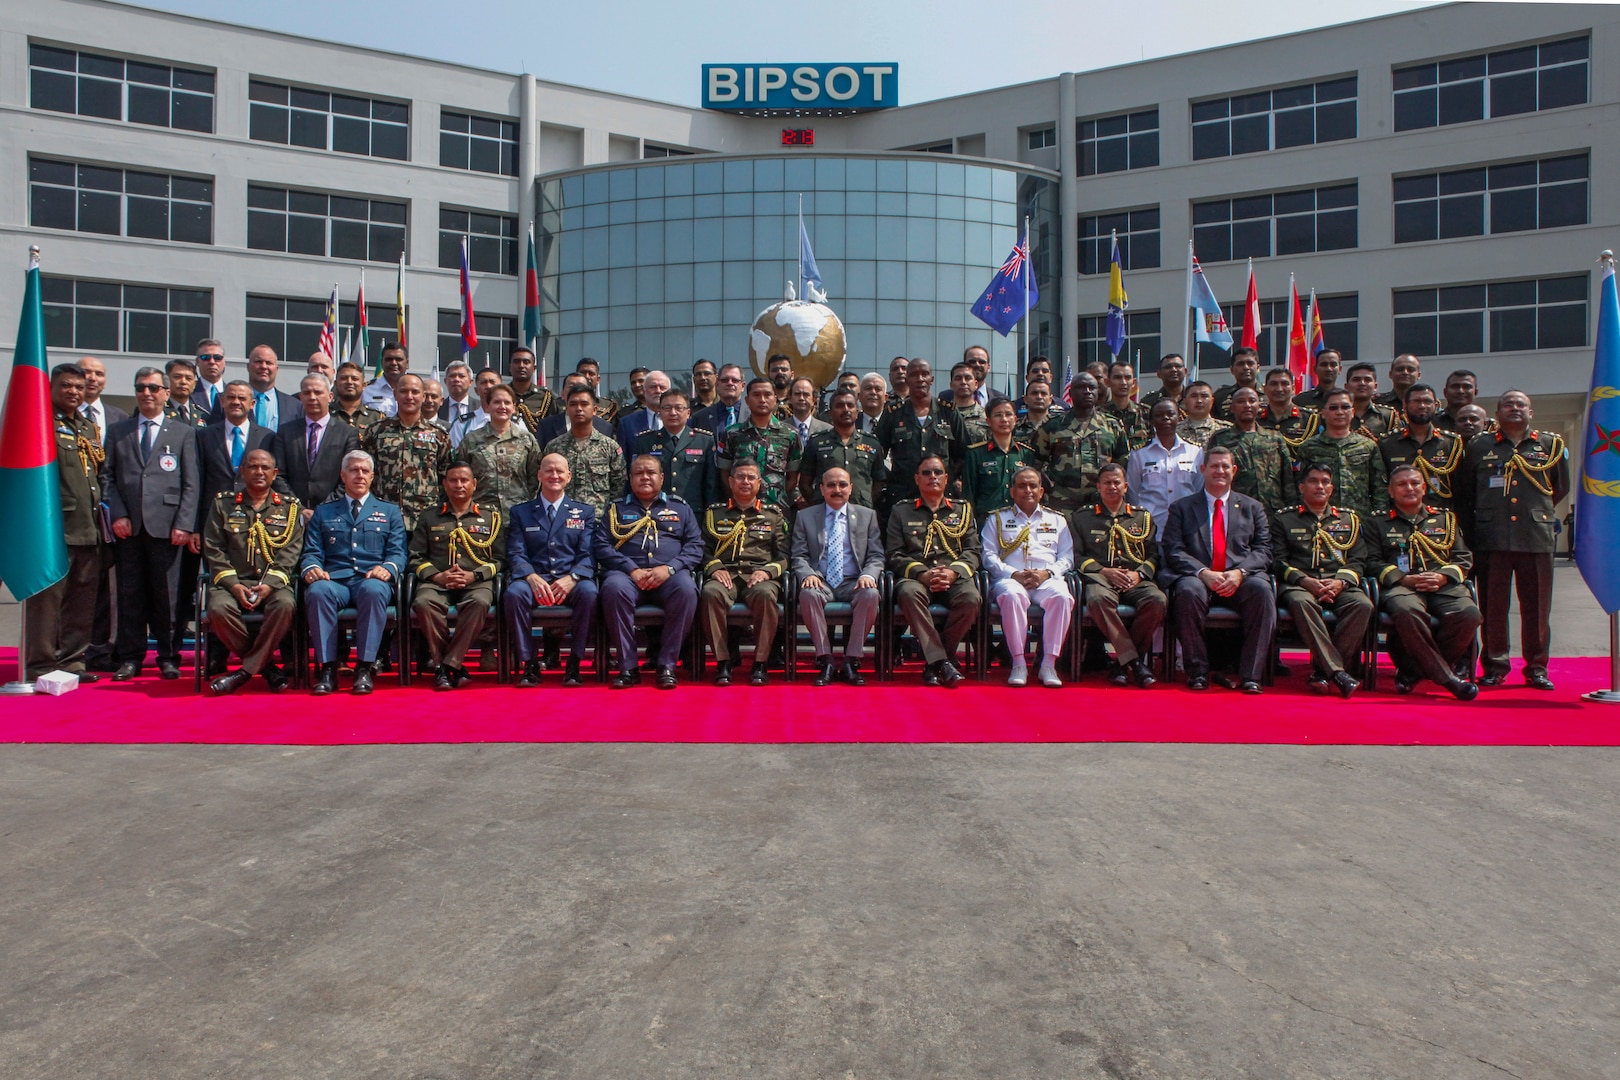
(148, 388)
(1337, 408)
(930, 472)
(210, 356)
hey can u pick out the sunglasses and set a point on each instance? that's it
(148, 388)
(210, 356)
(931, 472)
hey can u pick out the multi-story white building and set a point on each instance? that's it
(1439, 177)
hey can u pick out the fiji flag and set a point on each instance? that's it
(1209, 325)
(1597, 500)
(1011, 293)
(1117, 303)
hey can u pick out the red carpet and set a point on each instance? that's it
(149, 710)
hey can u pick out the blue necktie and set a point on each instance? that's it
(261, 410)
(148, 437)
(835, 551)
(236, 448)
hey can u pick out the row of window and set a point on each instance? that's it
(1478, 201)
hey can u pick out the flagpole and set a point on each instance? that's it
(20, 685)
(1611, 695)
(1187, 341)
(800, 293)
(1028, 254)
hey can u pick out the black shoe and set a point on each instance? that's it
(1463, 690)
(1119, 675)
(1491, 680)
(1346, 682)
(1142, 675)
(1250, 686)
(1198, 683)
(446, 678)
(759, 675)
(325, 681)
(1405, 684)
(722, 673)
(824, 671)
(87, 677)
(462, 676)
(553, 659)
(531, 672)
(1316, 684)
(365, 678)
(1538, 681)
(931, 674)
(230, 684)
(626, 679)
(1226, 679)
(666, 678)
(126, 671)
(571, 677)
(851, 673)
(276, 679)
(949, 675)
(168, 669)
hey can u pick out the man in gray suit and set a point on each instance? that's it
(151, 485)
(837, 554)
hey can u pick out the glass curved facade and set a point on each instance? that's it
(658, 263)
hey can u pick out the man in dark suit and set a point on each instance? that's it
(270, 407)
(847, 571)
(633, 423)
(210, 375)
(549, 552)
(1217, 544)
(151, 483)
(729, 408)
(354, 552)
(310, 450)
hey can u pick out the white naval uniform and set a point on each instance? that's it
(1049, 546)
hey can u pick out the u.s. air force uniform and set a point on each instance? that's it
(551, 541)
(1014, 541)
(635, 537)
(473, 540)
(251, 546)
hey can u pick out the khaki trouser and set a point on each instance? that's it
(430, 611)
(252, 644)
(715, 600)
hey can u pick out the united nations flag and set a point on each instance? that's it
(1597, 500)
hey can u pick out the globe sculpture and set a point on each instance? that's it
(808, 333)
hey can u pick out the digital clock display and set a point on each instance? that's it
(798, 136)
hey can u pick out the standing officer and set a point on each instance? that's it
(1357, 469)
(844, 447)
(686, 453)
(1371, 419)
(1075, 444)
(768, 442)
(534, 402)
(919, 426)
(934, 551)
(150, 482)
(989, 467)
(457, 550)
(647, 545)
(1320, 555)
(354, 551)
(59, 618)
(349, 406)
(1404, 373)
(310, 450)
(411, 454)
(1265, 464)
(1422, 561)
(1117, 547)
(251, 543)
(1517, 476)
(747, 554)
(1437, 453)
(837, 553)
(1282, 415)
(595, 461)
(551, 561)
(1028, 550)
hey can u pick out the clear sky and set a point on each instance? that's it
(654, 48)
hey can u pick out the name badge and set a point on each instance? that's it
(168, 462)
(1434, 483)
(1403, 563)
(1497, 481)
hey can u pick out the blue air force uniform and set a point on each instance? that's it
(552, 544)
(632, 537)
(348, 539)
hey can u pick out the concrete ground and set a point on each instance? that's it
(1123, 911)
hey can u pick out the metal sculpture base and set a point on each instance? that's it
(1603, 697)
(1610, 696)
(14, 688)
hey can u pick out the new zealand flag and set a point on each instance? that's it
(1006, 300)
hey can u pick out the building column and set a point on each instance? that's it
(528, 167)
(1068, 219)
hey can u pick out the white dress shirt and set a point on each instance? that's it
(1158, 475)
(380, 396)
(96, 413)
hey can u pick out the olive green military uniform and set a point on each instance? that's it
(1510, 493)
(606, 409)
(1427, 542)
(596, 466)
(195, 416)
(507, 467)
(741, 541)
(1153, 397)
(918, 539)
(1126, 540)
(775, 448)
(861, 457)
(1024, 431)
(1072, 449)
(1223, 399)
(1132, 419)
(987, 473)
(411, 462)
(1296, 425)
(252, 545)
(1265, 465)
(535, 406)
(1376, 422)
(1329, 546)
(475, 541)
(1439, 458)
(1199, 432)
(1359, 480)
(60, 618)
(1311, 397)
(362, 418)
(908, 439)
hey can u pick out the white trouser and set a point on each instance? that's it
(1057, 605)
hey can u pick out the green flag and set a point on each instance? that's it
(33, 554)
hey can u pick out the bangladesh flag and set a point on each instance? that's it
(33, 554)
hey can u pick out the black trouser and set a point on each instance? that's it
(148, 581)
(1533, 572)
(1256, 606)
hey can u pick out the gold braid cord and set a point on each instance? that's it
(261, 545)
(1442, 473)
(473, 548)
(529, 419)
(1311, 424)
(1019, 540)
(728, 543)
(646, 527)
(1438, 552)
(1133, 544)
(91, 455)
(1536, 474)
(948, 536)
(1326, 549)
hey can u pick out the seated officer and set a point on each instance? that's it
(747, 545)
(551, 562)
(1320, 554)
(457, 550)
(934, 551)
(250, 546)
(1117, 547)
(837, 555)
(1027, 550)
(354, 549)
(647, 546)
(1422, 563)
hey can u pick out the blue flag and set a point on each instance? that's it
(1597, 499)
(1117, 303)
(1209, 325)
(807, 262)
(1004, 300)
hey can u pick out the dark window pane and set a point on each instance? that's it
(490, 224)
(344, 207)
(150, 74)
(267, 198)
(1563, 86)
(267, 231)
(1513, 211)
(1462, 333)
(306, 202)
(1469, 67)
(1512, 294)
(484, 254)
(1461, 102)
(1565, 288)
(452, 121)
(1111, 156)
(345, 105)
(1111, 125)
(1247, 104)
(1088, 159)
(1292, 202)
(1462, 297)
(274, 93)
(58, 327)
(309, 311)
(267, 124)
(1251, 134)
(1296, 127)
(1251, 239)
(1462, 182)
(191, 300)
(1416, 221)
(52, 207)
(485, 156)
(1513, 330)
(185, 329)
(453, 150)
(1564, 168)
(145, 183)
(306, 235)
(388, 141)
(1513, 60)
(193, 112)
(99, 98)
(509, 158)
(1336, 89)
(1415, 109)
(390, 212)
(1214, 241)
(55, 290)
(351, 136)
(99, 179)
(1562, 326)
(146, 332)
(1408, 188)
(1296, 234)
(1559, 52)
(1336, 121)
(489, 129)
(317, 100)
(201, 82)
(95, 328)
(1462, 216)
(193, 190)
(1416, 336)
(191, 223)
(45, 56)
(99, 213)
(99, 293)
(1519, 174)
(1252, 206)
(1211, 140)
(1339, 307)
(1563, 204)
(108, 67)
(49, 90)
(1340, 195)
(149, 218)
(1147, 120)
(1145, 219)
(53, 172)
(308, 129)
(1407, 78)
(393, 112)
(450, 250)
(262, 307)
(1145, 150)
(1336, 230)
(148, 105)
(1292, 97)
(1210, 110)
(387, 242)
(349, 239)
(1145, 251)
(1206, 213)
(1511, 94)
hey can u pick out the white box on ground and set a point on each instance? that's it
(56, 683)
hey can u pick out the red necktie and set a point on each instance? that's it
(1217, 539)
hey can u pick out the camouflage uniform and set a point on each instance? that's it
(775, 448)
(1265, 465)
(1222, 408)
(1439, 458)
(974, 423)
(1072, 450)
(1024, 431)
(410, 463)
(861, 457)
(597, 465)
(1133, 421)
(363, 417)
(535, 406)
(1198, 432)
(1359, 480)
(1329, 546)
(507, 467)
(909, 439)
(742, 541)
(1299, 425)
(987, 474)
(233, 554)
(1428, 542)
(1126, 540)
(474, 540)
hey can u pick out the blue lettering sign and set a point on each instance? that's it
(800, 87)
